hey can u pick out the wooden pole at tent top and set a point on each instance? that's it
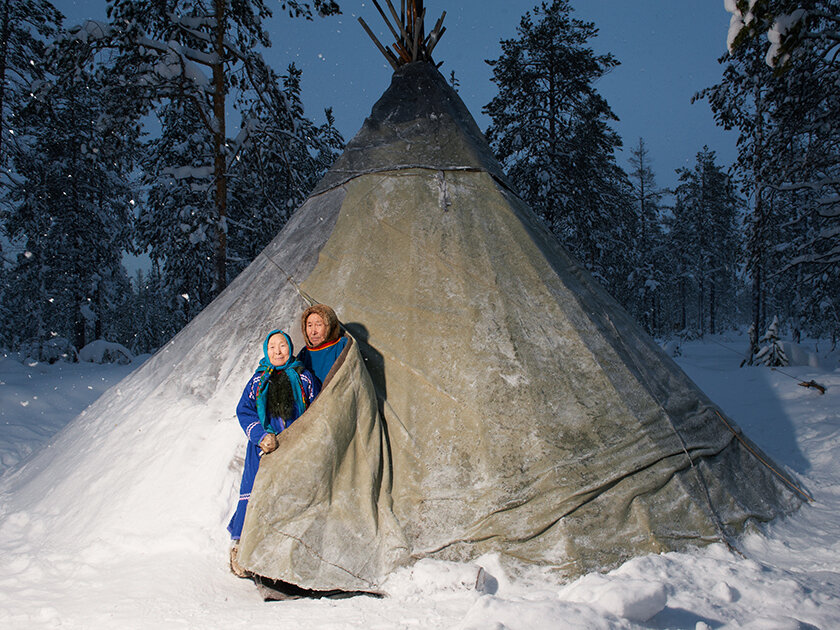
(408, 29)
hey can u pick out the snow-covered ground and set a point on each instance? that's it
(788, 576)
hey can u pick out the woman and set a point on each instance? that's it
(278, 393)
(323, 338)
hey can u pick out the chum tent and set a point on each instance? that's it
(509, 404)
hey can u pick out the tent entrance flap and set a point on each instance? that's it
(320, 511)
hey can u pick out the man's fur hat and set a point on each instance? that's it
(330, 319)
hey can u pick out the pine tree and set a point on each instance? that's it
(808, 184)
(743, 100)
(772, 354)
(789, 25)
(704, 240)
(176, 223)
(784, 102)
(71, 205)
(199, 51)
(648, 278)
(550, 129)
(6, 332)
(25, 26)
(275, 171)
(146, 322)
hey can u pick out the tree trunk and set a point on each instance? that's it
(657, 318)
(220, 162)
(756, 303)
(4, 47)
(100, 309)
(78, 324)
(757, 242)
(712, 314)
(758, 263)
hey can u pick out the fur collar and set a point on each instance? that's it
(280, 402)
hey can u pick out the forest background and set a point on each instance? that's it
(162, 131)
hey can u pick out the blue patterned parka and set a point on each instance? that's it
(256, 428)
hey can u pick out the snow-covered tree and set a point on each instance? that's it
(789, 153)
(551, 130)
(271, 176)
(199, 51)
(743, 100)
(647, 278)
(275, 171)
(147, 321)
(771, 353)
(70, 206)
(806, 162)
(6, 333)
(704, 246)
(25, 27)
(786, 24)
(176, 222)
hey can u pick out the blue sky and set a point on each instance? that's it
(668, 51)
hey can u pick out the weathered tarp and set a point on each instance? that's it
(419, 122)
(521, 410)
(320, 511)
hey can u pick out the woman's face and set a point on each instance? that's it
(316, 329)
(278, 349)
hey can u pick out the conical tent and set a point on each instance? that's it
(509, 404)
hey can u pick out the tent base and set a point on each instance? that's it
(278, 591)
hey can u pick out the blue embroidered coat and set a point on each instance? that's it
(246, 412)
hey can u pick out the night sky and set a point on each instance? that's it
(668, 51)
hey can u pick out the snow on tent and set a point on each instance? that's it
(495, 398)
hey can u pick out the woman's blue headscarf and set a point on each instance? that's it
(267, 369)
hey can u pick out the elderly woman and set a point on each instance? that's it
(276, 395)
(324, 341)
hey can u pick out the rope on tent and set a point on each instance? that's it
(303, 294)
(744, 443)
(812, 383)
(724, 537)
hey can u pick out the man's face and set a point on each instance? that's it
(316, 329)
(278, 350)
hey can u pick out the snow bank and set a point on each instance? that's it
(803, 355)
(101, 351)
(38, 399)
(632, 598)
(52, 350)
(158, 555)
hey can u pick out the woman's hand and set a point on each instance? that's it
(268, 443)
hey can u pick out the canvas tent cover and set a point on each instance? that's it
(495, 398)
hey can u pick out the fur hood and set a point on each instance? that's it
(329, 317)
